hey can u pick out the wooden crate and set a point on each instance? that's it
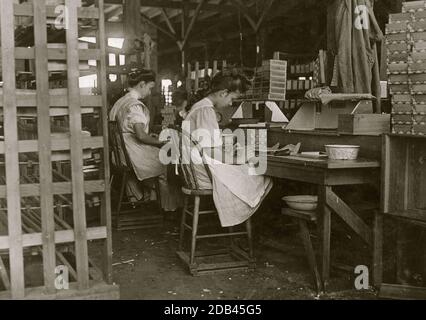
(42, 228)
(364, 124)
(404, 181)
(403, 190)
(413, 6)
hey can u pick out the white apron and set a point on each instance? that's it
(129, 111)
(237, 195)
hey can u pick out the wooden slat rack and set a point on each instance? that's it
(42, 201)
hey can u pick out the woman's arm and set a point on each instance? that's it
(146, 138)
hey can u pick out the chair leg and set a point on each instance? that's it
(231, 239)
(158, 193)
(195, 228)
(306, 238)
(249, 228)
(120, 199)
(182, 224)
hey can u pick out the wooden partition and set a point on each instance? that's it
(193, 83)
(45, 212)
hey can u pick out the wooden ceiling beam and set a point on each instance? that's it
(168, 22)
(169, 4)
(158, 27)
(192, 23)
(114, 13)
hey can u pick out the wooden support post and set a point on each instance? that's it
(189, 78)
(45, 143)
(11, 146)
(197, 76)
(180, 43)
(378, 249)
(132, 19)
(79, 209)
(106, 199)
(214, 68)
(206, 69)
(325, 228)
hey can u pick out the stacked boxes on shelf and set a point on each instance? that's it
(299, 85)
(300, 79)
(270, 82)
(169, 116)
(302, 68)
(406, 54)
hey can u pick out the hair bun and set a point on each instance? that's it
(137, 75)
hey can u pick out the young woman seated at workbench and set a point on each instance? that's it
(143, 149)
(238, 192)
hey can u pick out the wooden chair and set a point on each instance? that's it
(303, 218)
(194, 197)
(122, 167)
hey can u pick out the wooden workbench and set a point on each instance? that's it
(327, 174)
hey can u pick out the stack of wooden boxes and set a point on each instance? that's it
(270, 82)
(406, 54)
(169, 116)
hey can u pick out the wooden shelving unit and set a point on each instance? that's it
(45, 199)
(298, 66)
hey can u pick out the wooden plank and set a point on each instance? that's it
(31, 146)
(59, 188)
(62, 237)
(392, 291)
(349, 216)
(82, 12)
(30, 100)
(57, 54)
(106, 219)
(45, 152)
(386, 174)
(409, 214)
(295, 172)
(97, 291)
(79, 207)
(326, 163)
(11, 148)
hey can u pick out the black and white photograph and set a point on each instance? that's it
(213, 156)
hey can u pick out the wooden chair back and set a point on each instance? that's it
(121, 158)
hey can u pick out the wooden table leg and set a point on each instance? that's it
(378, 250)
(325, 221)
